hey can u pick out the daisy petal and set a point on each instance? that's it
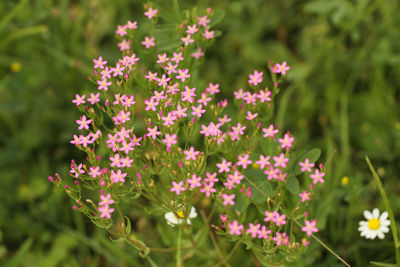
(368, 215)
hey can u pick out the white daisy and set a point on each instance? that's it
(178, 218)
(375, 226)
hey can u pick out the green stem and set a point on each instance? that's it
(388, 208)
(178, 248)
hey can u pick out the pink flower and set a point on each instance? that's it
(177, 57)
(121, 31)
(151, 76)
(235, 228)
(282, 68)
(208, 189)
(211, 178)
(194, 181)
(106, 200)
(83, 123)
(103, 84)
(317, 177)
(281, 161)
(115, 161)
(244, 161)
(163, 81)
(117, 70)
(153, 132)
(169, 119)
(305, 242)
(191, 29)
(279, 219)
(310, 227)
(188, 94)
(124, 45)
(208, 34)
(238, 129)
(118, 176)
(236, 177)
(281, 239)
(191, 154)
(263, 232)
(304, 196)
(306, 165)
(255, 78)
(79, 100)
(94, 171)
(183, 74)
(203, 21)
(150, 104)
(177, 187)
(251, 116)
(272, 173)
(105, 212)
(264, 95)
(228, 199)
(180, 112)
(253, 230)
(150, 13)
(94, 98)
(286, 141)
(264, 161)
(148, 42)
(162, 58)
(198, 54)
(270, 132)
(204, 99)
(187, 40)
(170, 140)
(224, 166)
(99, 63)
(213, 88)
(198, 111)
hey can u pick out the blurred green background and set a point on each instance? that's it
(342, 94)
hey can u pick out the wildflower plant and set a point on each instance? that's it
(155, 139)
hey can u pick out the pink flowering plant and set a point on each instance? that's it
(157, 141)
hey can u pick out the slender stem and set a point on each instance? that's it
(215, 244)
(325, 246)
(317, 239)
(178, 248)
(389, 210)
(229, 255)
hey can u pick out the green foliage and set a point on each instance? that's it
(343, 95)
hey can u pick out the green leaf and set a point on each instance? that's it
(218, 16)
(261, 187)
(128, 226)
(383, 264)
(312, 155)
(19, 256)
(292, 184)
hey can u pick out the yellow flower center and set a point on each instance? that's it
(180, 214)
(255, 166)
(374, 224)
(16, 66)
(345, 180)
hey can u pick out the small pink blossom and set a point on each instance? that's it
(306, 165)
(304, 196)
(253, 229)
(270, 132)
(244, 161)
(105, 211)
(317, 177)
(281, 161)
(191, 154)
(224, 166)
(106, 200)
(170, 140)
(235, 228)
(148, 42)
(310, 227)
(194, 182)
(150, 13)
(79, 100)
(177, 187)
(256, 78)
(228, 199)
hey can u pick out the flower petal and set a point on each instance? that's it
(368, 214)
(375, 213)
